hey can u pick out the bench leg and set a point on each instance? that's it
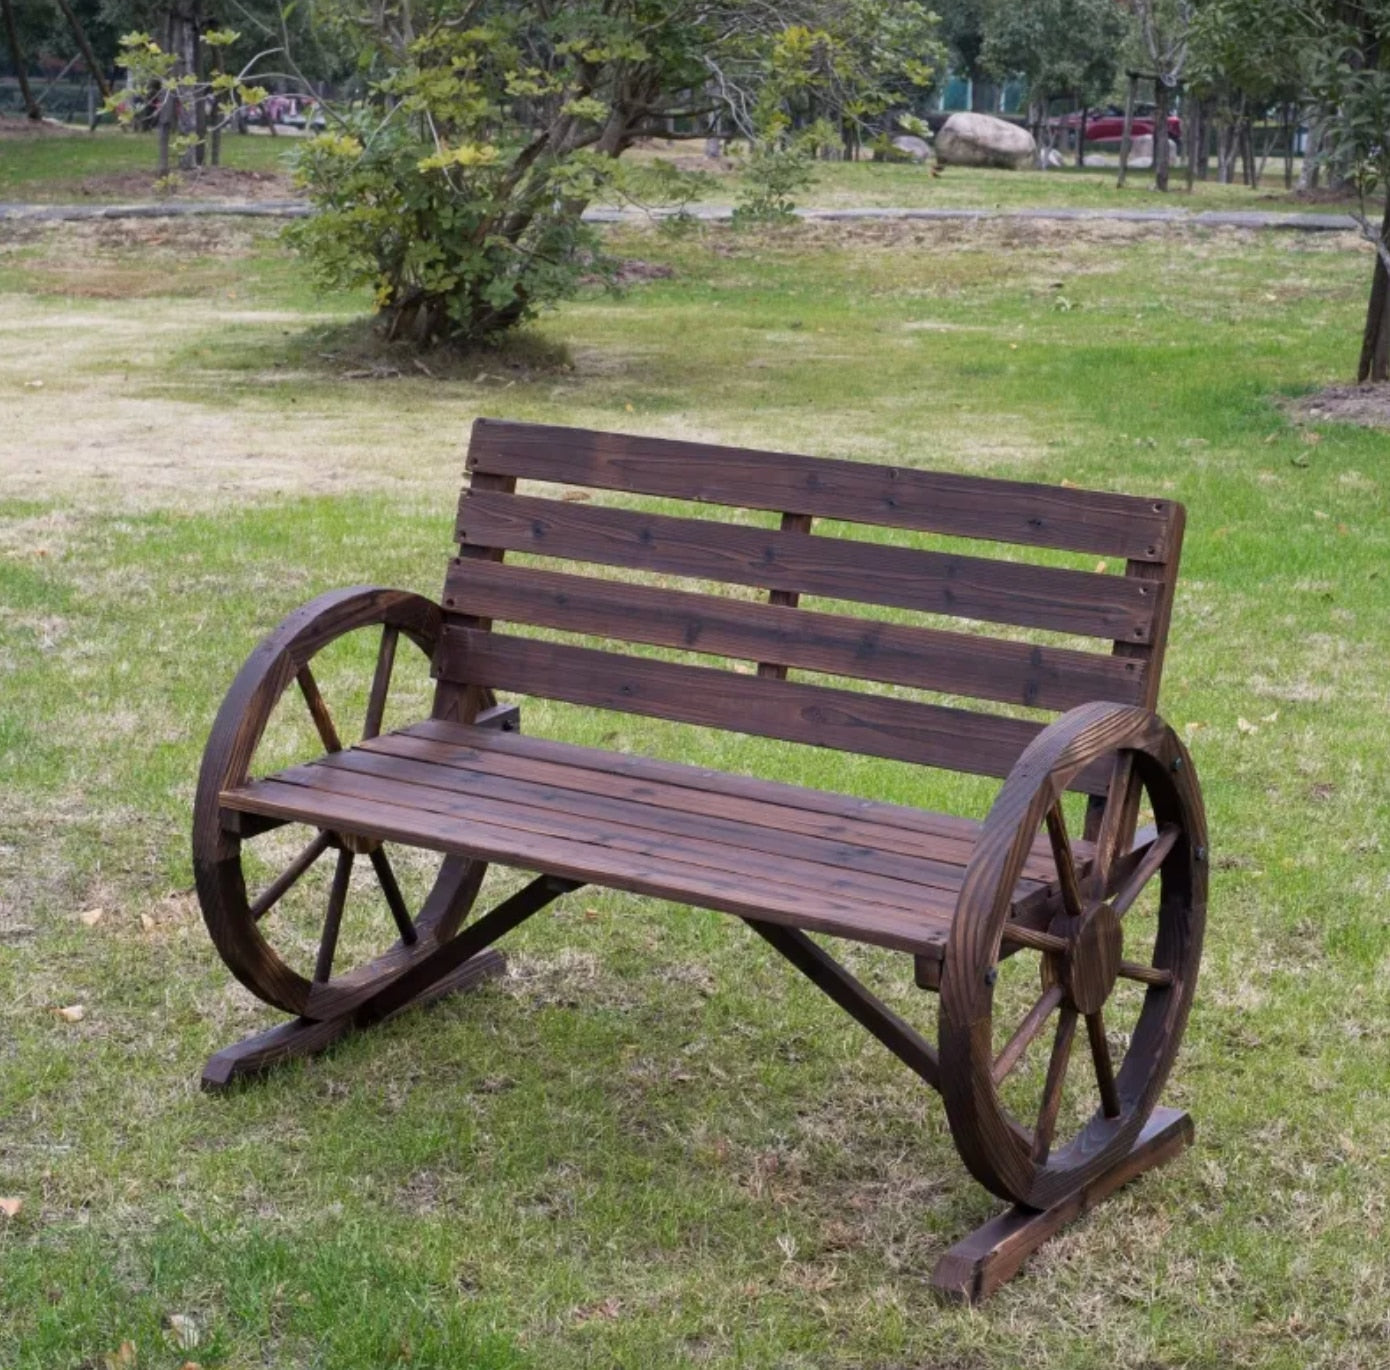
(992, 1254)
(305, 1037)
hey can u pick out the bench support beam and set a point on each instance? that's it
(992, 1254)
(818, 966)
(461, 963)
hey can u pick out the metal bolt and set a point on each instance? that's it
(1177, 764)
(991, 975)
(1200, 853)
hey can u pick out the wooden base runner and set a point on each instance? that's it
(307, 1037)
(992, 1254)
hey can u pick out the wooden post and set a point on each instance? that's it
(1130, 93)
(1160, 134)
(1081, 138)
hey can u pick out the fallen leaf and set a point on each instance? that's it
(1244, 725)
(629, 408)
(73, 1013)
(1271, 718)
(146, 922)
(182, 1331)
(1318, 514)
(574, 496)
(122, 1357)
(34, 385)
(1190, 728)
(193, 1365)
(10, 1207)
(607, 1309)
(91, 917)
(1100, 567)
(1069, 485)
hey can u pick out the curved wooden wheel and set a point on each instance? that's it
(315, 985)
(1106, 986)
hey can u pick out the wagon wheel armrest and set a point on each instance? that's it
(283, 657)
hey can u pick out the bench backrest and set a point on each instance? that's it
(583, 543)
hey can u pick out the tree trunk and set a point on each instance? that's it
(1125, 136)
(1374, 364)
(185, 25)
(1312, 155)
(1081, 137)
(85, 48)
(1160, 136)
(1192, 135)
(31, 106)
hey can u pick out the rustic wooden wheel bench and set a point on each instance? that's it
(1033, 931)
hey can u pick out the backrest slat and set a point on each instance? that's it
(621, 568)
(976, 666)
(1016, 593)
(860, 492)
(845, 720)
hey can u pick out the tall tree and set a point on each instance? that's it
(21, 62)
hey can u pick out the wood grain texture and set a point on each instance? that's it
(997, 1148)
(994, 1253)
(860, 492)
(1023, 595)
(969, 664)
(819, 716)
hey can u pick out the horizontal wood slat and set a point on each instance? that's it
(1051, 598)
(920, 930)
(900, 497)
(976, 666)
(844, 720)
(564, 772)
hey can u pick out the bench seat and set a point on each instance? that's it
(825, 862)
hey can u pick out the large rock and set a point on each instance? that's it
(1141, 152)
(983, 140)
(910, 146)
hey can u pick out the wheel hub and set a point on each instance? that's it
(1091, 963)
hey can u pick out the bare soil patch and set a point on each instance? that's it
(211, 183)
(1365, 405)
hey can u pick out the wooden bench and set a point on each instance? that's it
(1026, 924)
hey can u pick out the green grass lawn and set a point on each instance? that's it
(650, 1145)
(114, 165)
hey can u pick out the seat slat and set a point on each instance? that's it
(1052, 598)
(921, 930)
(844, 720)
(567, 811)
(662, 786)
(426, 787)
(975, 666)
(961, 506)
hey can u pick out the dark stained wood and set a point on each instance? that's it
(557, 770)
(304, 1037)
(955, 894)
(858, 492)
(991, 1255)
(791, 523)
(1017, 593)
(968, 664)
(844, 720)
(920, 929)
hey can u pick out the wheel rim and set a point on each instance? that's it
(323, 978)
(1047, 1087)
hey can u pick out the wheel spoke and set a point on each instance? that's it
(1146, 975)
(1105, 1070)
(1066, 866)
(1148, 866)
(337, 898)
(1052, 1090)
(301, 863)
(1028, 1029)
(394, 900)
(381, 682)
(1117, 821)
(323, 720)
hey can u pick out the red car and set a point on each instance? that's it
(1110, 128)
